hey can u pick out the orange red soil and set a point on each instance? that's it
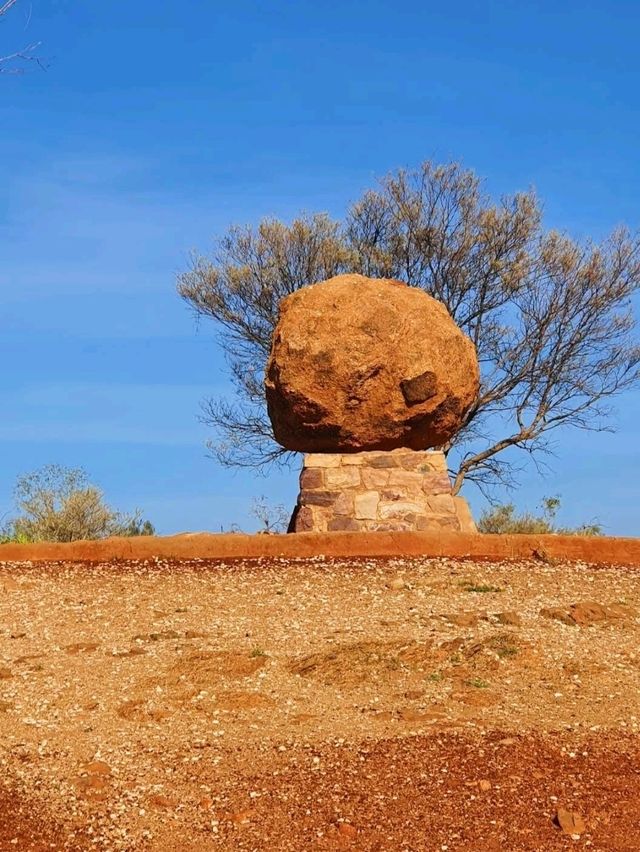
(423, 794)
(593, 549)
(428, 705)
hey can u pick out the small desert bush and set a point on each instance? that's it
(272, 518)
(57, 503)
(505, 520)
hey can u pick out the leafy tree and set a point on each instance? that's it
(504, 520)
(551, 316)
(59, 504)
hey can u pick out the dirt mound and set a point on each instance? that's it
(588, 613)
(354, 663)
(202, 668)
(359, 662)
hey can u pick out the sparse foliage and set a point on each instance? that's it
(241, 289)
(135, 526)
(272, 519)
(504, 520)
(15, 62)
(59, 504)
(551, 317)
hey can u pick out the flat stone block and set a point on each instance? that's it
(393, 494)
(436, 483)
(391, 526)
(342, 477)
(311, 478)
(357, 459)
(437, 461)
(441, 504)
(406, 479)
(343, 504)
(374, 478)
(322, 460)
(463, 513)
(383, 460)
(343, 524)
(304, 520)
(412, 461)
(366, 505)
(318, 498)
(422, 461)
(399, 508)
(428, 524)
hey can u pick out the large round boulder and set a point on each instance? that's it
(367, 364)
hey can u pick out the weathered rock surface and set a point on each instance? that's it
(374, 491)
(367, 364)
(588, 613)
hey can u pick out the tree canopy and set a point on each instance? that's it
(551, 316)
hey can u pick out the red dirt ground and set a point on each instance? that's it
(419, 793)
(397, 705)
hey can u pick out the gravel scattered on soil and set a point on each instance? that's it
(404, 704)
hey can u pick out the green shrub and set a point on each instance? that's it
(60, 504)
(504, 520)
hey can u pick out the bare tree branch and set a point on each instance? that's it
(6, 6)
(13, 63)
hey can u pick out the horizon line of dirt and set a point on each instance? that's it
(592, 549)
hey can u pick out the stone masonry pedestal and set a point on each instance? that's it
(398, 490)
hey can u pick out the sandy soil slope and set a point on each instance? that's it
(399, 704)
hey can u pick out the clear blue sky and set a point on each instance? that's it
(159, 123)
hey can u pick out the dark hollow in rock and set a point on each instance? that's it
(419, 388)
